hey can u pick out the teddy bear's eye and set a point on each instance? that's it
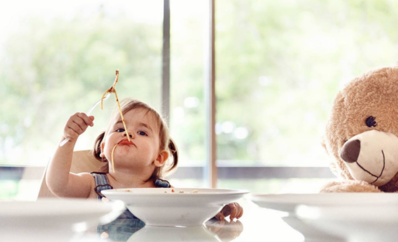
(371, 121)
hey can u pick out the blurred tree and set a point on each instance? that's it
(51, 70)
(279, 65)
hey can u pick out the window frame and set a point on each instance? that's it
(211, 172)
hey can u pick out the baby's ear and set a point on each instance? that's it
(102, 154)
(161, 159)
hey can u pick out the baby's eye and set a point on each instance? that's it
(119, 130)
(142, 133)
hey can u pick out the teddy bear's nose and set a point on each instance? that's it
(350, 151)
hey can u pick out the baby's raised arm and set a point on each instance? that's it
(58, 177)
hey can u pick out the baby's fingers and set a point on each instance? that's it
(234, 211)
(77, 124)
(220, 216)
(82, 120)
(239, 212)
(88, 120)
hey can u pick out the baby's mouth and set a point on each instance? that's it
(126, 142)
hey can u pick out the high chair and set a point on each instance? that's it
(82, 161)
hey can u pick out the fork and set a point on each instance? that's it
(63, 142)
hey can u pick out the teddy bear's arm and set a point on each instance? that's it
(349, 186)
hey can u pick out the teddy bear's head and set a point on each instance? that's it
(362, 130)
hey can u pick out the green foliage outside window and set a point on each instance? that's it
(51, 70)
(279, 65)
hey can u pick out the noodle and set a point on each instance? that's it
(113, 90)
(121, 115)
(112, 161)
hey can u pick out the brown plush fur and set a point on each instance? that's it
(349, 186)
(374, 93)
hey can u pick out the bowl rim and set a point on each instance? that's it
(187, 191)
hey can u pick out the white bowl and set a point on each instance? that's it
(53, 219)
(347, 208)
(289, 202)
(356, 223)
(183, 207)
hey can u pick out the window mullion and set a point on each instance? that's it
(210, 172)
(166, 63)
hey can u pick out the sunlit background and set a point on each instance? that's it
(278, 66)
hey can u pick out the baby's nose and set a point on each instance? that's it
(124, 134)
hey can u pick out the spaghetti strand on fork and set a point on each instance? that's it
(113, 90)
(121, 116)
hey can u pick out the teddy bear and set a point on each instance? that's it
(361, 134)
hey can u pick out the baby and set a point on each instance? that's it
(137, 153)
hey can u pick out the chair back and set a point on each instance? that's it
(82, 161)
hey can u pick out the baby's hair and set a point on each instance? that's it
(166, 143)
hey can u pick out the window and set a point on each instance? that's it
(278, 66)
(58, 58)
(53, 65)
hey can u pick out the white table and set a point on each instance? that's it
(257, 224)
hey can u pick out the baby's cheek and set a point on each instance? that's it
(149, 152)
(108, 151)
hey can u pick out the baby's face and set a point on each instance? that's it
(143, 148)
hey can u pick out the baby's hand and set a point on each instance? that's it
(76, 125)
(233, 210)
